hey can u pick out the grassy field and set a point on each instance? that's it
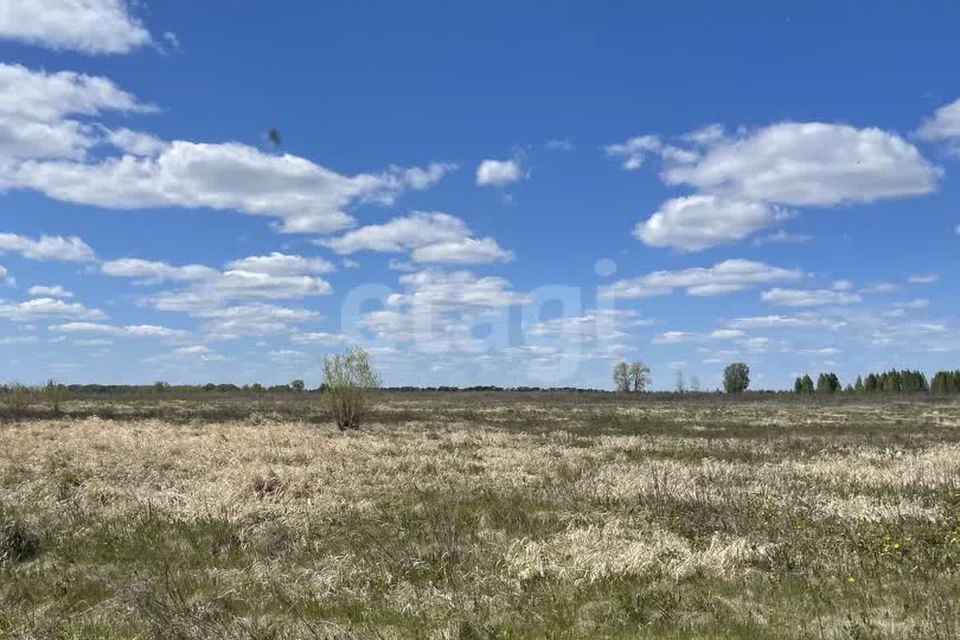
(488, 516)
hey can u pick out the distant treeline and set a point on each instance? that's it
(296, 386)
(893, 381)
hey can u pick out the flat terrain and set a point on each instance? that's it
(488, 516)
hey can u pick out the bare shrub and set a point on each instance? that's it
(15, 400)
(348, 379)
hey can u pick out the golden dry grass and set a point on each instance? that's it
(521, 519)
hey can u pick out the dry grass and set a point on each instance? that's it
(518, 519)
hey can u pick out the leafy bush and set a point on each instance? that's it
(736, 377)
(348, 379)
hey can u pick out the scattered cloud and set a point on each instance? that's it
(633, 151)
(53, 248)
(808, 298)
(944, 124)
(46, 151)
(724, 277)
(782, 237)
(319, 338)
(880, 287)
(809, 163)
(128, 331)
(923, 278)
(697, 222)
(463, 251)
(87, 26)
(431, 237)
(42, 308)
(49, 292)
(498, 173)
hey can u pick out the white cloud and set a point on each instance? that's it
(782, 237)
(696, 222)
(880, 287)
(842, 285)
(11, 340)
(274, 276)
(5, 277)
(281, 264)
(943, 125)
(634, 150)
(810, 163)
(923, 278)
(463, 251)
(431, 236)
(252, 319)
(88, 26)
(499, 172)
(285, 355)
(57, 248)
(198, 351)
(724, 277)
(319, 338)
(46, 152)
(50, 292)
(611, 322)
(457, 289)
(128, 331)
(240, 285)
(305, 196)
(798, 320)
(673, 337)
(136, 143)
(40, 308)
(400, 234)
(808, 298)
(34, 106)
(154, 271)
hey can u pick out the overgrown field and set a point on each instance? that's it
(511, 517)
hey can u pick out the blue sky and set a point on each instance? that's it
(478, 194)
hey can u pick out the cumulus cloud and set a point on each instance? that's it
(319, 338)
(808, 298)
(136, 143)
(281, 264)
(400, 234)
(46, 151)
(253, 319)
(725, 277)
(499, 173)
(43, 308)
(155, 271)
(54, 248)
(432, 237)
(696, 222)
(5, 277)
(88, 26)
(634, 150)
(462, 251)
(35, 107)
(810, 163)
(944, 124)
(128, 331)
(803, 319)
(50, 292)
(744, 180)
